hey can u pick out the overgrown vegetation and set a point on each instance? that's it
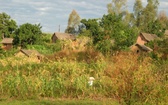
(101, 51)
(139, 80)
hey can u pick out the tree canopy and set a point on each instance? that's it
(92, 25)
(114, 28)
(145, 15)
(28, 34)
(73, 22)
(117, 6)
(7, 25)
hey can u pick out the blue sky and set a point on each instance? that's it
(52, 13)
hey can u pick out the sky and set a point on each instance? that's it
(54, 13)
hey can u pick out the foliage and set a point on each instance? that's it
(155, 27)
(4, 54)
(114, 28)
(160, 49)
(65, 69)
(7, 25)
(73, 23)
(46, 38)
(27, 34)
(105, 46)
(110, 32)
(144, 15)
(1, 50)
(138, 9)
(46, 48)
(93, 29)
(150, 12)
(117, 7)
(135, 82)
(92, 25)
(85, 33)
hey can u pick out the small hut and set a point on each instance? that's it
(62, 36)
(145, 38)
(7, 43)
(142, 39)
(30, 54)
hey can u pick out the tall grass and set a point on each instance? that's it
(127, 78)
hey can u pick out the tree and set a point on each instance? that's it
(110, 32)
(28, 34)
(117, 6)
(138, 10)
(73, 22)
(115, 28)
(150, 12)
(7, 25)
(145, 15)
(155, 27)
(93, 28)
(128, 19)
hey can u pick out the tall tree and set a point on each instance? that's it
(138, 9)
(150, 12)
(128, 18)
(151, 9)
(7, 25)
(73, 22)
(117, 6)
(28, 34)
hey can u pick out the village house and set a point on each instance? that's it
(7, 43)
(29, 53)
(62, 36)
(142, 39)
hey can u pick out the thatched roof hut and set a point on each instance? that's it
(62, 36)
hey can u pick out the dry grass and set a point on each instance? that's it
(125, 77)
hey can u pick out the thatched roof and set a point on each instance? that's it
(7, 41)
(64, 36)
(143, 47)
(30, 52)
(149, 37)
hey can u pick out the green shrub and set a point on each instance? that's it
(46, 48)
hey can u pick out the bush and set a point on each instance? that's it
(133, 80)
(46, 48)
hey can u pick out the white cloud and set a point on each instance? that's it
(43, 8)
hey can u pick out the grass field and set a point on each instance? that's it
(58, 102)
(125, 78)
